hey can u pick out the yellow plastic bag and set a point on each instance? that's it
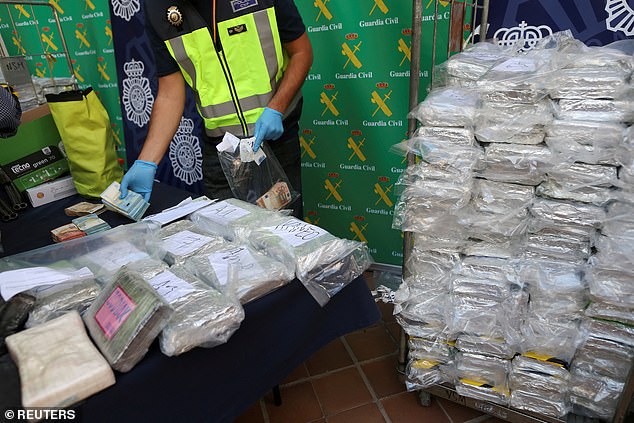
(84, 126)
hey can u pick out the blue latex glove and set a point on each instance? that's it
(139, 178)
(268, 127)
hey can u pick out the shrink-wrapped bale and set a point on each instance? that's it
(203, 317)
(519, 164)
(451, 106)
(58, 364)
(125, 318)
(240, 271)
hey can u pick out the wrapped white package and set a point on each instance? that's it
(183, 239)
(595, 110)
(594, 395)
(584, 194)
(451, 106)
(421, 348)
(593, 133)
(555, 337)
(430, 268)
(499, 197)
(611, 285)
(612, 331)
(568, 150)
(591, 82)
(54, 300)
(482, 390)
(324, 263)
(520, 164)
(604, 310)
(551, 213)
(125, 318)
(136, 246)
(440, 134)
(58, 364)
(423, 373)
(492, 370)
(203, 317)
(513, 123)
(240, 271)
(231, 218)
(538, 403)
(604, 357)
(495, 347)
(476, 60)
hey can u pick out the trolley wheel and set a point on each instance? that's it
(424, 398)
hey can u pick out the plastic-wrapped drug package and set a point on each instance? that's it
(519, 164)
(513, 123)
(538, 403)
(550, 214)
(13, 315)
(451, 106)
(568, 150)
(486, 345)
(240, 271)
(430, 268)
(593, 395)
(125, 318)
(58, 364)
(203, 317)
(604, 357)
(499, 197)
(445, 134)
(429, 362)
(482, 390)
(232, 218)
(592, 133)
(598, 110)
(55, 300)
(135, 245)
(599, 83)
(491, 370)
(599, 309)
(556, 337)
(585, 183)
(475, 61)
(611, 285)
(183, 239)
(324, 263)
(424, 373)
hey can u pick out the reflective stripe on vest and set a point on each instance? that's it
(253, 56)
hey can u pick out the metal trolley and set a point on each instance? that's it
(472, 15)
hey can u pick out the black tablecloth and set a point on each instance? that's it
(280, 331)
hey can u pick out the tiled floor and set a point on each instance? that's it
(354, 380)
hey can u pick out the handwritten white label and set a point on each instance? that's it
(116, 255)
(183, 208)
(517, 64)
(13, 282)
(170, 286)
(241, 261)
(296, 232)
(185, 242)
(223, 213)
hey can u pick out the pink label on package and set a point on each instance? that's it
(114, 312)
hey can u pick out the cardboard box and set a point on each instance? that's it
(51, 191)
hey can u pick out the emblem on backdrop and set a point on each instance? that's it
(312, 218)
(523, 37)
(381, 103)
(125, 9)
(329, 102)
(406, 50)
(322, 6)
(332, 189)
(307, 146)
(185, 154)
(358, 229)
(349, 49)
(80, 34)
(382, 192)
(620, 16)
(380, 4)
(137, 96)
(356, 147)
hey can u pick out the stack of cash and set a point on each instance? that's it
(91, 224)
(66, 232)
(84, 208)
(132, 206)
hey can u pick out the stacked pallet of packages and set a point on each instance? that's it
(518, 284)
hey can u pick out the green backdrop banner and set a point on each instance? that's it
(31, 31)
(356, 100)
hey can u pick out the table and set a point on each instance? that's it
(279, 332)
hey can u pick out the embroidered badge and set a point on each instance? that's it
(238, 5)
(238, 29)
(174, 16)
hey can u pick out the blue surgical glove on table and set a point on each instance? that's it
(140, 179)
(268, 127)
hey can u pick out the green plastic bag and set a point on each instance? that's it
(84, 127)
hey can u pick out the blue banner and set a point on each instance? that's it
(595, 22)
(182, 166)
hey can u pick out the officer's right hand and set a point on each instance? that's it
(140, 179)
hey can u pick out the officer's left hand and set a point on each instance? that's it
(268, 127)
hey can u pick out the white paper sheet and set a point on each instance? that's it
(223, 213)
(184, 208)
(185, 242)
(13, 282)
(240, 259)
(170, 286)
(296, 232)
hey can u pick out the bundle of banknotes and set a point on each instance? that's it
(91, 224)
(84, 208)
(132, 206)
(66, 232)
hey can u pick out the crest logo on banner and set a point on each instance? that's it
(81, 36)
(381, 103)
(404, 48)
(323, 9)
(356, 146)
(523, 36)
(329, 102)
(620, 16)
(382, 192)
(351, 53)
(381, 5)
(137, 96)
(125, 9)
(185, 154)
(358, 228)
(333, 188)
(307, 146)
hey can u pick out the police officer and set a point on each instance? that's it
(245, 61)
